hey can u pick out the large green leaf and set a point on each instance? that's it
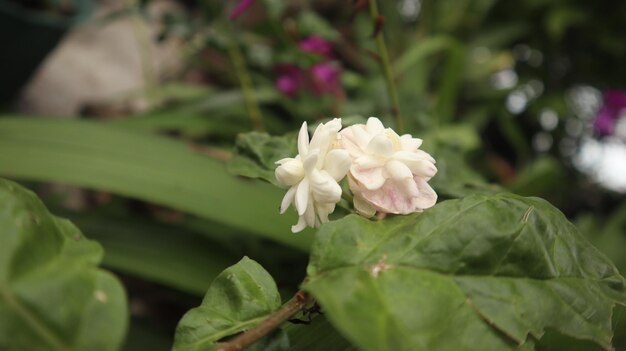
(239, 298)
(484, 272)
(52, 294)
(142, 166)
(158, 252)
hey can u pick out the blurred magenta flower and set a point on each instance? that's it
(317, 45)
(241, 7)
(325, 78)
(614, 106)
(290, 79)
(319, 78)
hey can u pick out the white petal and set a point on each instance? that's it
(427, 197)
(362, 136)
(334, 125)
(303, 140)
(310, 161)
(374, 126)
(323, 210)
(324, 187)
(380, 145)
(398, 170)
(289, 173)
(409, 143)
(284, 160)
(337, 163)
(287, 199)
(309, 215)
(302, 196)
(299, 226)
(419, 163)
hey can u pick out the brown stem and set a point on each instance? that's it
(385, 65)
(250, 336)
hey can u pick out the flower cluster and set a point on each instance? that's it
(386, 172)
(320, 78)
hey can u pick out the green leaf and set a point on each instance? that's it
(238, 299)
(157, 251)
(319, 335)
(256, 153)
(52, 294)
(143, 166)
(492, 272)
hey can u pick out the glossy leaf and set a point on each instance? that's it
(143, 166)
(239, 298)
(52, 294)
(494, 271)
(256, 153)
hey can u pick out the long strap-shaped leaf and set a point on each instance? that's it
(142, 166)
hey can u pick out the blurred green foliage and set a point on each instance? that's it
(168, 213)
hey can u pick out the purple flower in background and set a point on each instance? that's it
(241, 7)
(319, 78)
(317, 45)
(614, 106)
(289, 80)
(325, 78)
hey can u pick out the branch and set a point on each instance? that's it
(275, 320)
(386, 67)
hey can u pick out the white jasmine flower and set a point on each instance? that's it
(389, 172)
(313, 175)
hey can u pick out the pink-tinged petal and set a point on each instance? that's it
(371, 179)
(303, 140)
(287, 199)
(409, 143)
(390, 199)
(240, 8)
(349, 143)
(374, 126)
(302, 196)
(398, 170)
(409, 187)
(367, 161)
(299, 226)
(380, 145)
(427, 197)
(337, 163)
(323, 187)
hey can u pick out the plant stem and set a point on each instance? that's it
(386, 67)
(246, 85)
(288, 310)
